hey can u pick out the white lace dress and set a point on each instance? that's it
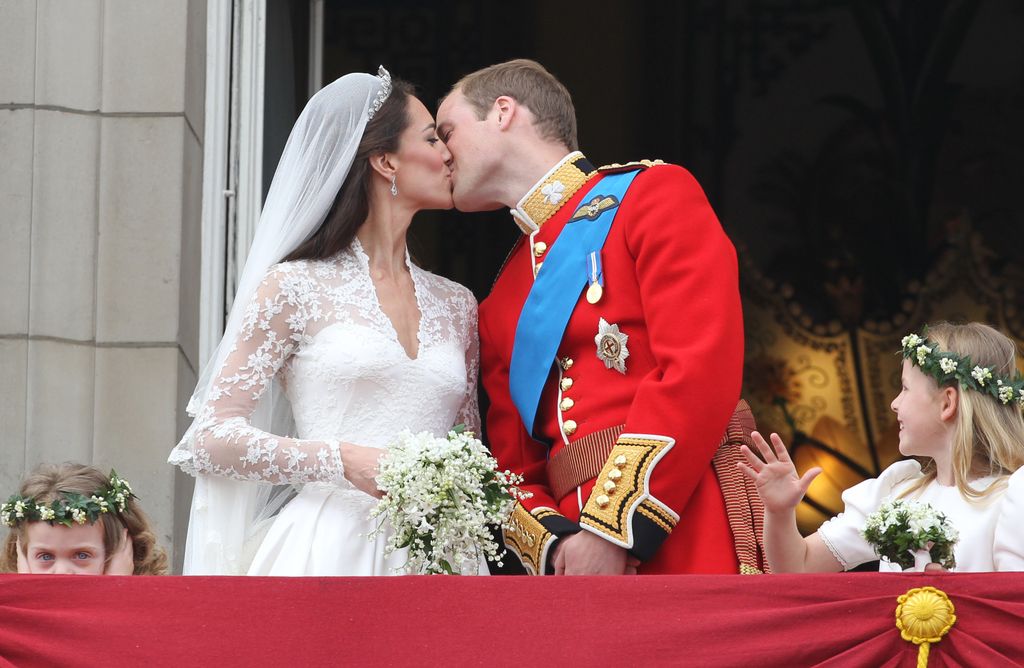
(318, 327)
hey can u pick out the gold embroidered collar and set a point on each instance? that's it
(548, 195)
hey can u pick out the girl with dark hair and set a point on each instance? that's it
(72, 519)
(335, 344)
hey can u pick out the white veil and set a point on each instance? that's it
(227, 515)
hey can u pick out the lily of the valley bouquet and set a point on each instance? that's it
(440, 496)
(911, 534)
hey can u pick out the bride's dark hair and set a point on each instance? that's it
(352, 204)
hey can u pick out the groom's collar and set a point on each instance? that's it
(549, 194)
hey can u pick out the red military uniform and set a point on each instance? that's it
(632, 421)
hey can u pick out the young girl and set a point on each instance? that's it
(960, 412)
(73, 519)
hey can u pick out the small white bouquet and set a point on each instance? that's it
(440, 495)
(911, 534)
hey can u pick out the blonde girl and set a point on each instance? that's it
(959, 415)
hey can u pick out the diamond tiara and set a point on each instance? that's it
(382, 95)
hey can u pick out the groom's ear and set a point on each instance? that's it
(505, 109)
(383, 164)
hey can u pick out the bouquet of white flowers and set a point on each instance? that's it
(911, 534)
(440, 495)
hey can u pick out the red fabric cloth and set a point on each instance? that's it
(700, 620)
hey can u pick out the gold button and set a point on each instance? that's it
(614, 474)
(569, 427)
(608, 486)
(603, 501)
(620, 460)
(536, 270)
(539, 248)
(566, 404)
(565, 384)
(566, 363)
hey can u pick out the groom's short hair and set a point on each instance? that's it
(530, 85)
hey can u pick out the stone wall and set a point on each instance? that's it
(101, 133)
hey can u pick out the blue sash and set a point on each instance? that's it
(557, 290)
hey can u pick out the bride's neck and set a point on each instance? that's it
(383, 238)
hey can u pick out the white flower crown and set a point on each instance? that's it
(69, 508)
(946, 367)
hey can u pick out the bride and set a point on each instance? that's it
(334, 335)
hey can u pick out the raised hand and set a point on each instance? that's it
(775, 477)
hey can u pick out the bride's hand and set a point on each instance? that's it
(361, 467)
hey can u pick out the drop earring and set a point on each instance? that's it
(394, 186)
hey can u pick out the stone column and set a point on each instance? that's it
(101, 129)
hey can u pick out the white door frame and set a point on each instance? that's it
(218, 193)
(233, 148)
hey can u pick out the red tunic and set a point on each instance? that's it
(671, 286)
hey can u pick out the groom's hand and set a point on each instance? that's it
(584, 553)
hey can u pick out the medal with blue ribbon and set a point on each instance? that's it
(595, 277)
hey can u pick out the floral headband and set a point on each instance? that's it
(946, 366)
(70, 508)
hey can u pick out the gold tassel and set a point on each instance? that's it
(923, 616)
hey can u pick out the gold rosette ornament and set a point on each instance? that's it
(923, 616)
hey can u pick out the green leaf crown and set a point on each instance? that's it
(69, 508)
(946, 367)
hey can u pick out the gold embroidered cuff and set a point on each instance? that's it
(527, 538)
(621, 508)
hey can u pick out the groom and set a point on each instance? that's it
(611, 342)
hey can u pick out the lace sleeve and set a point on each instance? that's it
(469, 411)
(223, 440)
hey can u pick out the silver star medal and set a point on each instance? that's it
(611, 346)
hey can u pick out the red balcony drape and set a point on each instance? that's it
(779, 620)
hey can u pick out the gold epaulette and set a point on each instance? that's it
(641, 164)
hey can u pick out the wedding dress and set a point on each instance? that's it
(318, 328)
